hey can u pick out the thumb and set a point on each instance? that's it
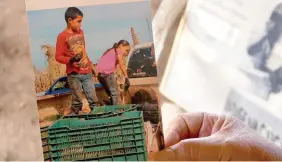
(204, 149)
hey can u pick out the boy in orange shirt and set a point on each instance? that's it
(70, 50)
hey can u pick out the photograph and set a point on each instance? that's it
(265, 52)
(233, 63)
(95, 79)
(260, 91)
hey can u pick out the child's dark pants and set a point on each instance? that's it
(109, 83)
(77, 83)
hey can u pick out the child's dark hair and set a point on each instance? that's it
(115, 46)
(121, 42)
(72, 13)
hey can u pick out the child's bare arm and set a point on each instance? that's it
(122, 66)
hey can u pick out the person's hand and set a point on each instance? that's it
(83, 63)
(75, 58)
(126, 84)
(93, 70)
(202, 136)
(154, 64)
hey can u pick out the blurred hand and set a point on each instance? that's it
(154, 64)
(202, 136)
(83, 63)
(126, 84)
(93, 70)
(75, 58)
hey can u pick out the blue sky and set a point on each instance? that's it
(103, 25)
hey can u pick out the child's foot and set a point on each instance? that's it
(85, 113)
(97, 104)
(72, 112)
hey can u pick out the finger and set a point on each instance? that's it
(203, 149)
(192, 125)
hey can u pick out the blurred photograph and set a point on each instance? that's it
(259, 93)
(95, 80)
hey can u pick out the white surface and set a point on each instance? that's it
(51, 4)
(200, 71)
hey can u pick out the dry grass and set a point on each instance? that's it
(43, 79)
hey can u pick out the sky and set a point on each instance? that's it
(103, 25)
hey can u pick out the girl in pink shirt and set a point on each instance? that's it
(106, 67)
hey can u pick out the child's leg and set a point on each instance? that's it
(75, 86)
(102, 81)
(113, 88)
(89, 90)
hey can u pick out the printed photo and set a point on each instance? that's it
(265, 53)
(95, 80)
(261, 91)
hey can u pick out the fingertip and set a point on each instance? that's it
(176, 131)
(171, 138)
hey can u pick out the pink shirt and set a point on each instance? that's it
(108, 62)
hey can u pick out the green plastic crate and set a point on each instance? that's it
(106, 111)
(44, 132)
(114, 109)
(44, 138)
(46, 156)
(119, 138)
(45, 146)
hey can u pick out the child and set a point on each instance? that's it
(106, 68)
(70, 50)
